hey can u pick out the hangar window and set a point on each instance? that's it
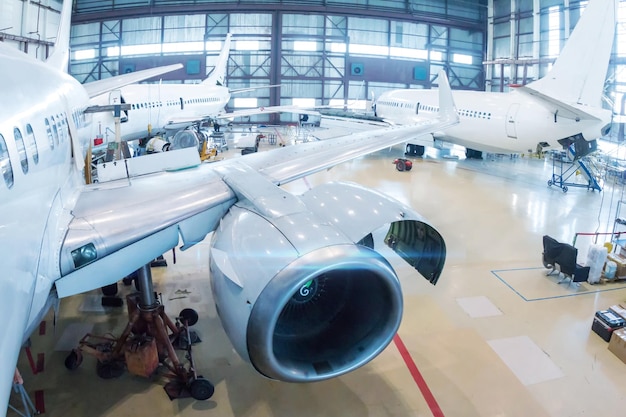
(32, 143)
(49, 133)
(5, 163)
(21, 149)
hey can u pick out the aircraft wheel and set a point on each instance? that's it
(400, 165)
(74, 359)
(189, 315)
(110, 290)
(201, 389)
(564, 189)
(549, 183)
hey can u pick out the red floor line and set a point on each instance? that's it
(417, 377)
(31, 362)
(40, 362)
(40, 405)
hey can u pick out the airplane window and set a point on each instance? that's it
(55, 130)
(49, 132)
(60, 127)
(5, 163)
(32, 143)
(21, 149)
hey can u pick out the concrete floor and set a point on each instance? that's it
(495, 337)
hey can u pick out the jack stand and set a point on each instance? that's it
(145, 343)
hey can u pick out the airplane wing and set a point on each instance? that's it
(183, 121)
(95, 88)
(564, 110)
(121, 225)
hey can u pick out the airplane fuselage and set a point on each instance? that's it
(512, 122)
(41, 123)
(153, 106)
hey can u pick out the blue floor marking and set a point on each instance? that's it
(495, 272)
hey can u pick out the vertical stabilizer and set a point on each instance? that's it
(579, 73)
(218, 76)
(60, 57)
(447, 108)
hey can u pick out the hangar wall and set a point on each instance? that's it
(337, 51)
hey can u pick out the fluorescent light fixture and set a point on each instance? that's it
(85, 54)
(247, 45)
(113, 51)
(183, 47)
(338, 48)
(408, 53)
(436, 56)
(336, 102)
(154, 48)
(307, 46)
(368, 49)
(246, 102)
(303, 102)
(213, 45)
(462, 59)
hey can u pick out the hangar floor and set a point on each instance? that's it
(495, 337)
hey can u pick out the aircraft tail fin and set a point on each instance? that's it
(218, 76)
(579, 73)
(60, 56)
(447, 108)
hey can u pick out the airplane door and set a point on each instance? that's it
(115, 98)
(510, 121)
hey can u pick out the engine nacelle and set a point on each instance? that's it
(299, 298)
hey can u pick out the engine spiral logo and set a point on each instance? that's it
(306, 292)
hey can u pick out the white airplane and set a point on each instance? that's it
(153, 107)
(561, 108)
(60, 237)
(159, 109)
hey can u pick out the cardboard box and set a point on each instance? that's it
(617, 345)
(621, 264)
(619, 310)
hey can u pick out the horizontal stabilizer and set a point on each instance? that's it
(95, 88)
(564, 110)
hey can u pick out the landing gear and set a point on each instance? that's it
(74, 359)
(147, 342)
(414, 150)
(201, 389)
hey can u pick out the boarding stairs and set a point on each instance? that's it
(566, 165)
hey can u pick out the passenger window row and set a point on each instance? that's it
(57, 129)
(169, 103)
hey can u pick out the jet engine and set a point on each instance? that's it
(299, 288)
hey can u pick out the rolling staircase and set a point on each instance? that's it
(565, 165)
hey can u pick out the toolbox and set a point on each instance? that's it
(605, 321)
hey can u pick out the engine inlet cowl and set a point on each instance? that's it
(327, 313)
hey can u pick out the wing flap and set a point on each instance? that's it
(117, 224)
